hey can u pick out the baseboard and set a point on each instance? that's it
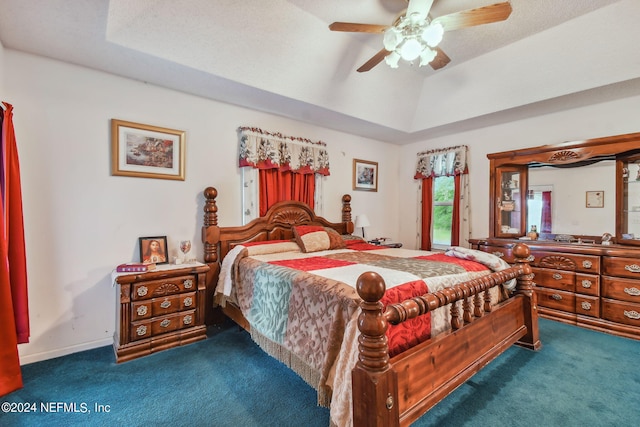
(59, 352)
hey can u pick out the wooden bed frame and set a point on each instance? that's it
(397, 391)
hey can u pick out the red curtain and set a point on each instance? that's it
(545, 227)
(276, 186)
(427, 200)
(14, 313)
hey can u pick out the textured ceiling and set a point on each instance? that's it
(279, 56)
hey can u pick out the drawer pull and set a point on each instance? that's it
(586, 264)
(557, 276)
(188, 284)
(142, 291)
(556, 297)
(141, 330)
(142, 310)
(165, 304)
(634, 268)
(188, 302)
(632, 314)
(634, 292)
(586, 284)
(498, 254)
(187, 319)
(165, 323)
(585, 305)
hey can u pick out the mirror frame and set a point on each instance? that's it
(565, 153)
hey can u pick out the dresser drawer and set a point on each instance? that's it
(156, 288)
(621, 267)
(161, 306)
(563, 261)
(587, 284)
(621, 312)
(558, 300)
(588, 305)
(160, 325)
(621, 289)
(556, 279)
(504, 253)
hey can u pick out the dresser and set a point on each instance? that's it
(160, 309)
(589, 285)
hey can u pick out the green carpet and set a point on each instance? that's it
(579, 378)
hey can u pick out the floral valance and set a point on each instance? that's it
(265, 150)
(442, 162)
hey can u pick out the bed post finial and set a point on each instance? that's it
(210, 230)
(346, 212)
(374, 381)
(525, 287)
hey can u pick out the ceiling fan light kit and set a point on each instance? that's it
(415, 35)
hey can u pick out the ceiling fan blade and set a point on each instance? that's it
(440, 60)
(375, 60)
(351, 27)
(421, 7)
(472, 17)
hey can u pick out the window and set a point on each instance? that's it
(443, 192)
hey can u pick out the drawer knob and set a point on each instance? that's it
(586, 264)
(634, 292)
(585, 305)
(498, 254)
(556, 297)
(586, 284)
(142, 291)
(557, 276)
(632, 314)
(188, 302)
(165, 304)
(634, 268)
(165, 323)
(141, 330)
(187, 319)
(188, 284)
(142, 310)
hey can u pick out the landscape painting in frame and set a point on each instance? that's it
(146, 151)
(365, 175)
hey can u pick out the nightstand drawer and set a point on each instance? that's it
(161, 306)
(161, 325)
(157, 288)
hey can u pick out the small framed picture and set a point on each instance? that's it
(595, 199)
(365, 175)
(146, 151)
(153, 250)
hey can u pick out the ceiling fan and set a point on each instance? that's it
(415, 35)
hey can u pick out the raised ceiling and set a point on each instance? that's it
(279, 56)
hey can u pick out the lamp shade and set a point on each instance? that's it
(362, 221)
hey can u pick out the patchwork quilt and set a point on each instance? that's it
(303, 307)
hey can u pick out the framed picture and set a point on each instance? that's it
(145, 151)
(365, 175)
(595, 199)
(153, 250)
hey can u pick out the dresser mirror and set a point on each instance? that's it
(574, 191)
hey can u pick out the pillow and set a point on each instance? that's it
(335, 239)
(311, 238)
(271, 247)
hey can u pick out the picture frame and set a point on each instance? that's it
(365, 175)
(595, 199)
(145, 151)
(149, 254)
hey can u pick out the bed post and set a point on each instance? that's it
(374, 382)
(210, 239)
(346, 213)
(525, 288)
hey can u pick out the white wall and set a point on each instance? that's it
(80, 222)
(597, 120)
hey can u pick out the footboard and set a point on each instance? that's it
(393, 392)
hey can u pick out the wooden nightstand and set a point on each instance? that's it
(159, 309)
